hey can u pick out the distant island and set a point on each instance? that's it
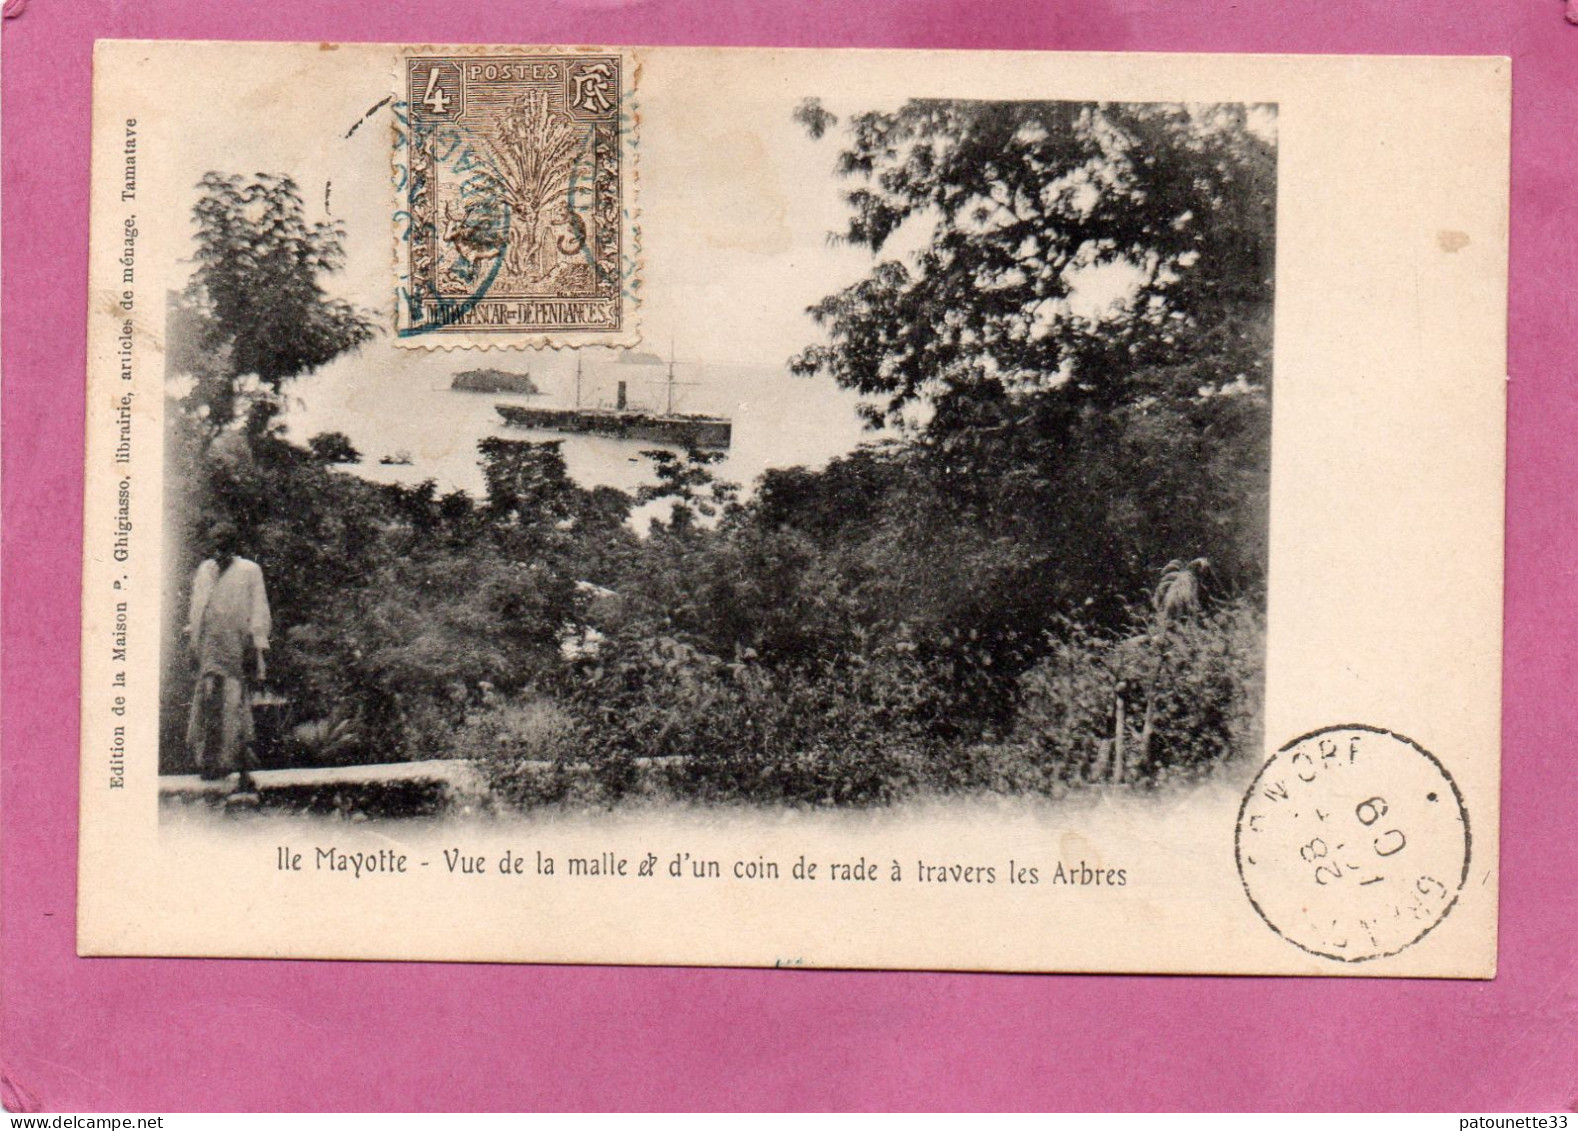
(494, 381)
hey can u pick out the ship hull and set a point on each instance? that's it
(685, 431)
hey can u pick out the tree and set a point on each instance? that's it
(1097, 442)
(527, 482)
(690, 482)
(532, 164)
(1025, 201)
(255, 314)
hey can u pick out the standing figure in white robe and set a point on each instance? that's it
(227, 629)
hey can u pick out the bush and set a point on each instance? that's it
(1197, 681)
(660, 715)
(1011, 768)
(530, 752)
(855, 732)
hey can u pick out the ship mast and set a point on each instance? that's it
(578, 379)
(670, 410)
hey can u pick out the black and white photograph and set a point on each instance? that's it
(998, 526)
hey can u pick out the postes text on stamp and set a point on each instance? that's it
(512, 199)
(1353, 843)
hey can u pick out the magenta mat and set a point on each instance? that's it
(149, 1035)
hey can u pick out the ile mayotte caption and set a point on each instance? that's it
(683, 865)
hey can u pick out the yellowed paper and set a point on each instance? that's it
(580, 703)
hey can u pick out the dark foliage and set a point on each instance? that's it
(255, 308)
(970, 602)
(1098, 447)
(334, 447)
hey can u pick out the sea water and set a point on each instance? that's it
(404, 407)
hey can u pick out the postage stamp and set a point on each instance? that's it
(514, 195)
(1353, 843)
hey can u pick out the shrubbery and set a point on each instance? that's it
(757, 659)
(662, 717)
(1191, 692)
(530, 751)
(848, 732)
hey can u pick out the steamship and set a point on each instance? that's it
(623, 422)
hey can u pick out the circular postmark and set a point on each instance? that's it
(1352, 843)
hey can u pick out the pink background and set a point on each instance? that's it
(137, 1035)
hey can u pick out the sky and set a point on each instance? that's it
(734, 223)
(736, 207)
(735, 211)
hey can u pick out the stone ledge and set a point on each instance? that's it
(382, 789)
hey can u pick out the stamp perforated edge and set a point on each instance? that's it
(629, 335)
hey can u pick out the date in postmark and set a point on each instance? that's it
(514, 200)
(1353, 843)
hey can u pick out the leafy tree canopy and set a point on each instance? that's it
(255, 306)
(1026, 202)
(688, 480)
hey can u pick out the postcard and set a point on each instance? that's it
(795, 508)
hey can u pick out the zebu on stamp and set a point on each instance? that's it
(513, 210)
(1353, 843)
